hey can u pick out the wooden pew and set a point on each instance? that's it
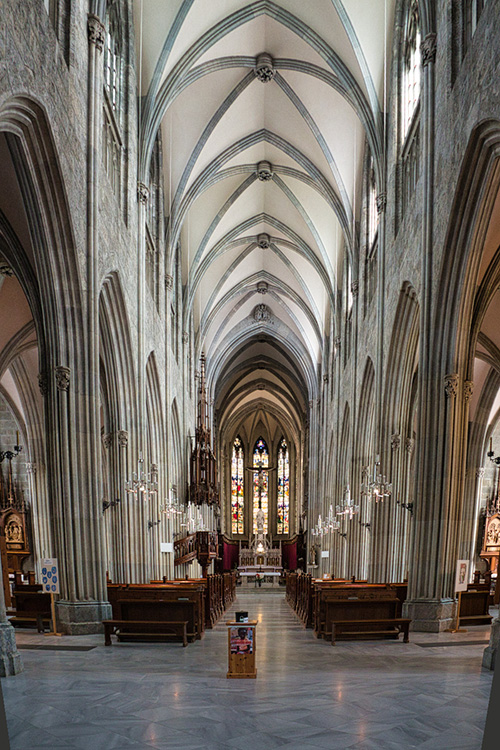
(474, 607)
(31, 607)
(161, 602)
(361, 612)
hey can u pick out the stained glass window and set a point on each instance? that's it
(283, 526)
(261, 483)
(237, 485)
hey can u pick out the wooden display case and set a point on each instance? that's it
(241, 647)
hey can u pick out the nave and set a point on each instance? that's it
(429, 694)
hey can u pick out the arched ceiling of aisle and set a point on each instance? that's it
(218, 121)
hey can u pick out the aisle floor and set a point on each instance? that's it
(429, 694)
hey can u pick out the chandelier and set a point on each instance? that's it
(348, 508)
(143, 484)
(193, 520)
(327, 526)
(378, 487)
(171, 507)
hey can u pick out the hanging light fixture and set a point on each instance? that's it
(143, 484)
(348, 508)
(380, 488)
(171, 507)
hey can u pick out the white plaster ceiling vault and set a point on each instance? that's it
(218, 120)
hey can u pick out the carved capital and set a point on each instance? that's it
(428, 49)
(169, 281)
(31, 467)
(409, 445)
(264, 67)
(355, 288)
(451, 384)
(107, 439)
(5, 269)
(96, 31)
(468, 390)
(325, 378)
(185, 337)
(381, 202)
(122, 438)
(480, 472)
(142, 193)
(62, 377)
(395, 441)
(43, 383)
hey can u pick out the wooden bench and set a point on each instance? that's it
(28, 606)
(474, 607)
(144, 629)
(26, 618)
(362, 630)
(167, 603)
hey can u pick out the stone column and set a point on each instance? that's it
(431, 601)
(10, 658)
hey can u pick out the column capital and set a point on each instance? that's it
(381, 202)
(122, 438)
(409, 445)
(395, 441)
(480, 472)
(428, 49)
(96, 31)
(142, 193)
(451, 384)
(169, 281)
(62, 377)
(355, 288)
(468, 389)
(43, 383)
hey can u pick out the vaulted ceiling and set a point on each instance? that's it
(262, 168)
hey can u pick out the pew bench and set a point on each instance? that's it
(28, 619)
(145, 629)
(359, 629)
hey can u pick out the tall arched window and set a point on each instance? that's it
(411, 68)
(261, 483)
(112, 110)
(410, 105)
(112, 57)
(283, 525)
(237, 488)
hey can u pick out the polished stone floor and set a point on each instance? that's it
(430, 694)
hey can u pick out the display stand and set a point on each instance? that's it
(53, 616)
(461, 580)
(241, 646)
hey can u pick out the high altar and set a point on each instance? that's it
(260, 555)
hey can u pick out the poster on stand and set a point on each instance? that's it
(50, 576)
(462, 575)
(241, 640)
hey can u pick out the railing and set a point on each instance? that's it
(185, 549)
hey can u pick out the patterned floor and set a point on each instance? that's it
(365, 696)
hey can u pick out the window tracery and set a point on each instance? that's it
(237, 488)
(261, 483)
(112, 61)
(410, 104)
(283, 515)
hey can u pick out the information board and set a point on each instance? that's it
(50, 576)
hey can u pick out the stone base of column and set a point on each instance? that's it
(82, 618)
(10, 658)
(491, 651)
(430, 615)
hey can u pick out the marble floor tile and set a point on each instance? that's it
(360, 695)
